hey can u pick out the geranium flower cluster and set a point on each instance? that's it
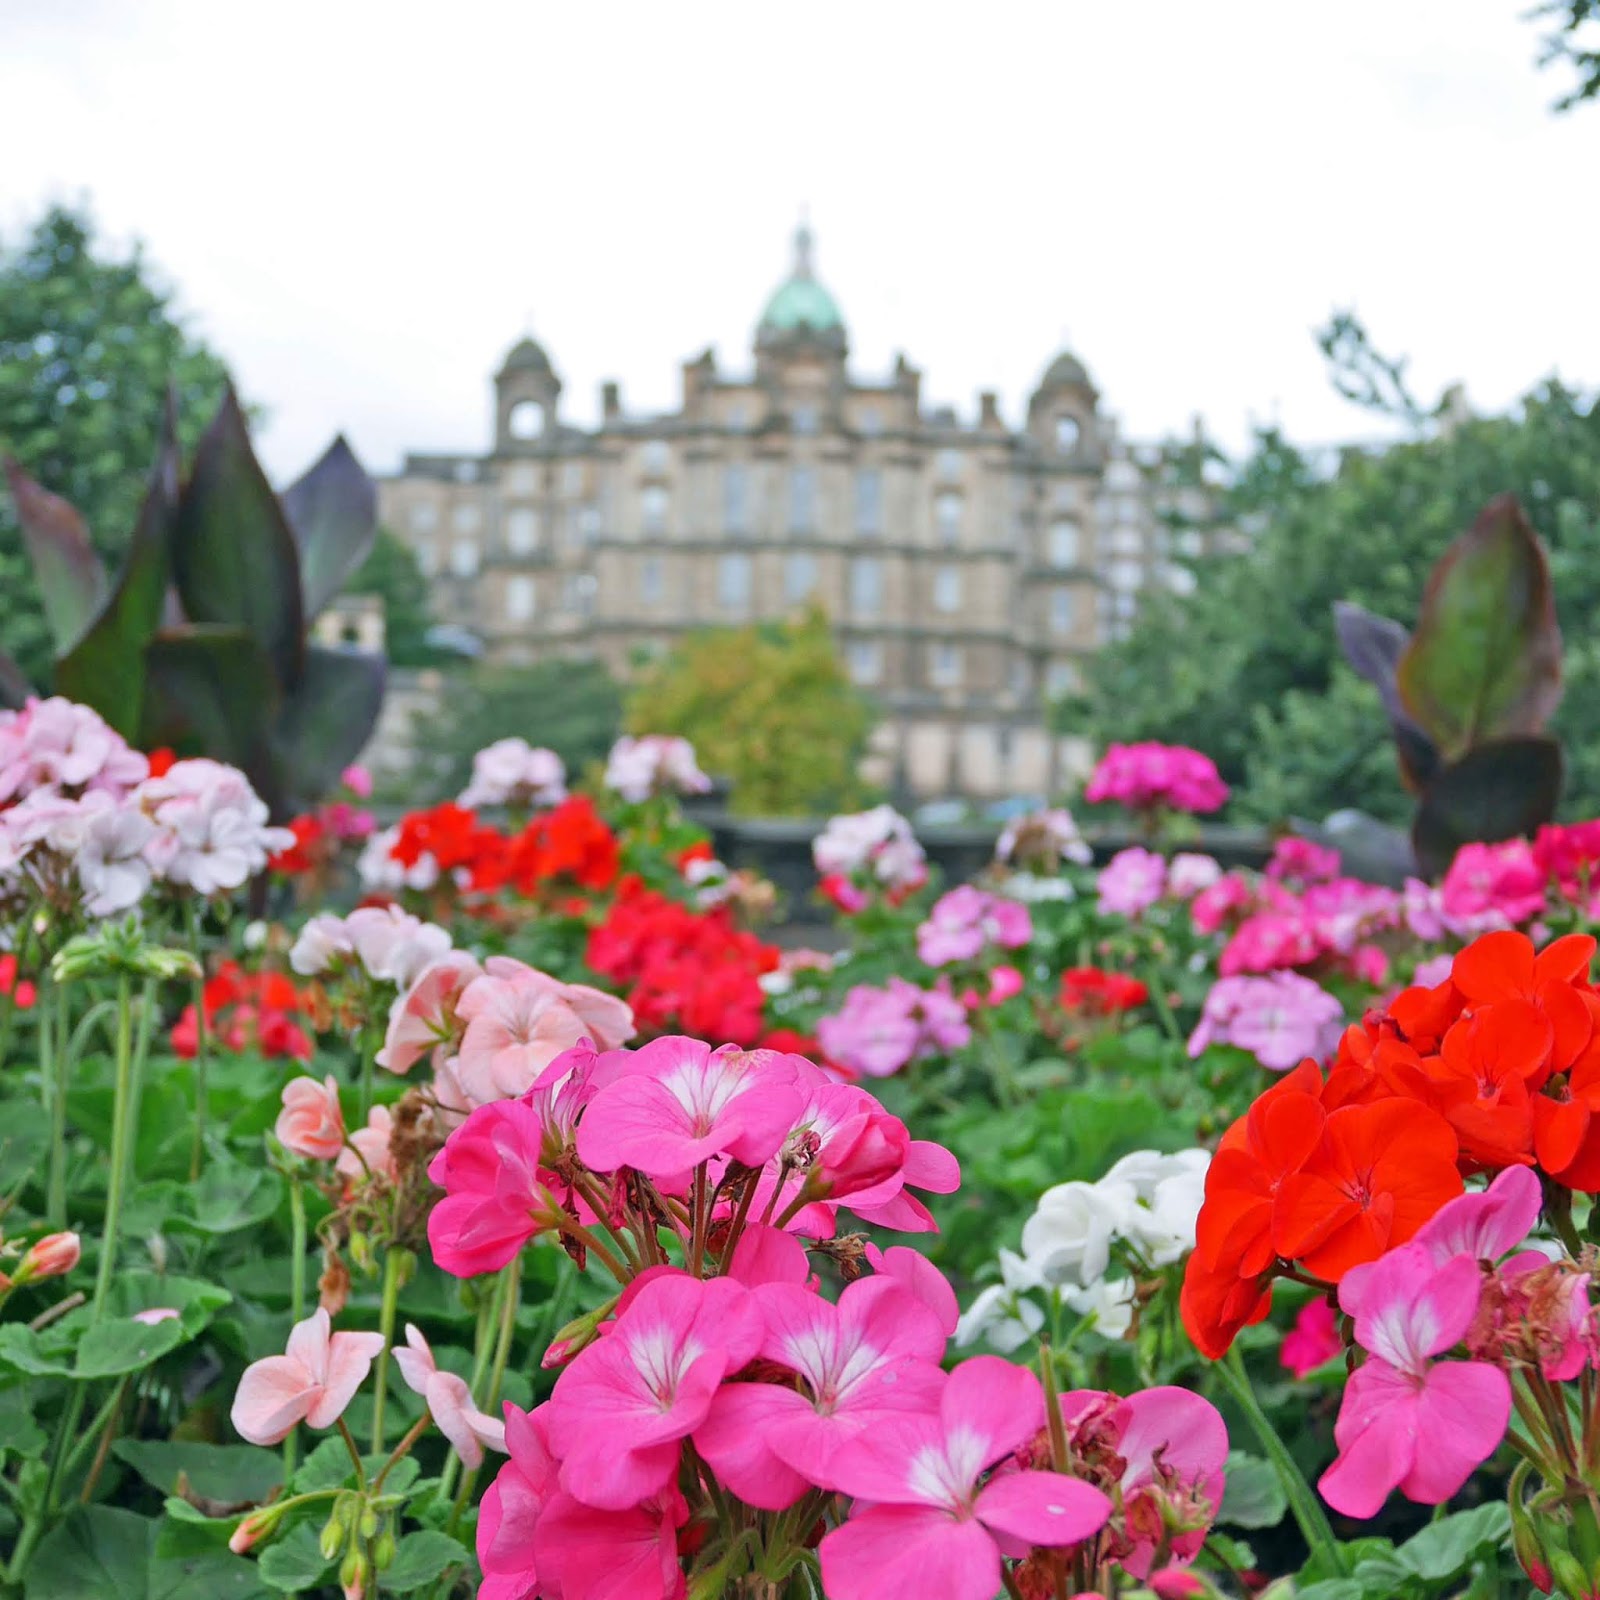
(1281, 1019)
(1136, 879)
(1100, 992)
(967, 922)
(680, 968)
(867, 855)
(511, 772)
(257, 1011)
(567, 848)
(877, 1031)
(1041, 841)
(1146, 777)
(720, 1412)
(1093, 1245)
(320, 835)
(654, 764)
(89, 825)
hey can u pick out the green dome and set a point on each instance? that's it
(800, 305)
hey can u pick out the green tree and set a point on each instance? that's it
(391, 572)
(88, 346)
(768, 707)
(573, 707)
(1574, 40)
(1246, 668)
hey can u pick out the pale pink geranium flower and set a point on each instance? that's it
(873, 1355)
(58, 744)
(513, 772)
(311, 1122)
(424, 1017)
(212, 826)
(449, 1400)
(367, 1152)
(112, 862)
(157, 1314)
(966, 919)
(930, 1532)
(621, 1410)
(1190, 873)
(392, 945)
(1409, 1421)
(312, 1382)
(677, 1102)
(874, 1033)
(1281, 1019)
(514, 1031)
(608, 1021)
(1131, 882)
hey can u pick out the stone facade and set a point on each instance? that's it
(968, 567)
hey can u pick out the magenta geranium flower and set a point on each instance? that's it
(626, 1554)
(873, 1356)
(966, 919)
(933, 1530)
(621, 1410)
(312, 1381)
(1409, 1421)
(511, 1508)
(496, 1198)
(680, 1102)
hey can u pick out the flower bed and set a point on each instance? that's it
(484, 1205)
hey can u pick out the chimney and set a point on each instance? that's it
(610, 401)
(988, 410)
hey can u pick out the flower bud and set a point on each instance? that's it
(368, 1525)
(1568, 1572)
(333, 1535)
(49, 1257)
(253, 1528)
(383, 1550)
(353, 1570)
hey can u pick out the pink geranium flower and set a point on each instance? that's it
(966, 919)
(607, 1021)
(930, 1530)
(622, 1408)
(625, 1554)
(1409, 1421)
(496, 1198)
(1131, 882)
(312, 1381)
(515, 1029)
(679, 1102)
(367, 1153)
(311, 1123)
(1313, 1341)
(1491, 886)
(423, 1017)
(872, 1357)
(448, 1399)
(511, 1508)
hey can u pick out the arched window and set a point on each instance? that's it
(525, 420)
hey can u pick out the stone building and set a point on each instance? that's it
(969, 567)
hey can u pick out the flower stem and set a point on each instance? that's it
(1308, 1513)
(393, 1264)
(121, 1146)
(297, 1295)
(502, 1351)
(201, 1097)
(54, 1060)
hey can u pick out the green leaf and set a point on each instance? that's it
(293, 1563)
(333, 513)
(1254, 1497)
(1505, 789)
(228, 1474)
(326, 1467)
(229, 1196)
(93, 1553)
(233, 555)
(329, 718)
(71, 577)
(1485, 660)
(26, 1131)
(420, 1558)
(115, 1348)
(211, 691)
(1333, 1589)
(19, 1433)
(1443, 1551)
(14, 686)
(191, 1562)
(105, 669)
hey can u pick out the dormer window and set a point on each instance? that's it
(1067, 432)
(525, 420)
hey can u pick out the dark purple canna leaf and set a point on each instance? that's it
(71, 576)
(1373, 646)
(329, 718)
(333, 514)
(1503, 789)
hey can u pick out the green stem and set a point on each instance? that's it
(393, 1261)
(121, 1142)
(201, 1097)
(482, 1347)
(54, 1055)
(502, 1353)
(297, 1295)
(1158, 999)
(1308, 1512)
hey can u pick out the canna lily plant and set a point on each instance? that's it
(200, 643)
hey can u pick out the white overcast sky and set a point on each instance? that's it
(362, 205)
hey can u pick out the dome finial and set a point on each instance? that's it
(802, 246)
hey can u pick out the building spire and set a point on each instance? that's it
(802, 247)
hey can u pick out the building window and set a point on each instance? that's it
(427, 558)
(464, 557)
(1065, 543)
(588, 523)
(802, 500)
(1066, 432)
(869, 422)
(733, 583)
(869, 501)
(1126, 542)
(947, 589)
(525, 420)
(949, 466)
(522, 531)
(577, 594)
(1063, 610)
(465, 519)
(652, 583)
(655, 456)
(653, 508)
(947, 518)
(424, 517)
(944, 665)
(466, 472)
(866, 660)
(805, 419)
(520, 597)
(736, 498)
(738, 416)
(1062, 678)
(523, 478)
(1126, 575)
(799, 577)
(866, 586)
(1122, 475)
